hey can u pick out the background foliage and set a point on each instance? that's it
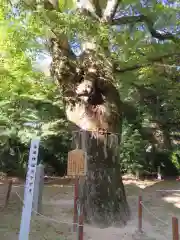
(149, 90)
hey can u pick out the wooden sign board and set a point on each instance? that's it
(76, 163)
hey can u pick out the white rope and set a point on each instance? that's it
(54, 179)
(57, 194)
(170, 190)
(45, 182)
(152, 214)
(95, 131)
(18, 186)
(51, 181)
(46, 217)
(157, 218)
(52, 197)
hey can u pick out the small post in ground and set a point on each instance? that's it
(175, 229)
(140, 214)
(80, 223)
(38, 189)
(76, 190)
(8, 193)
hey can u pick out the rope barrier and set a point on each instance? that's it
(46, 217)
(96, 131)
(170, 190)
(79, 211)
(18, 186)
(79, 222)
(45, 182)
(53, 179)
(152, 214)
(175, 231)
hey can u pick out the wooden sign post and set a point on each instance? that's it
(77, 167)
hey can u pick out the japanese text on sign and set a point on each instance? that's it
(76, 163)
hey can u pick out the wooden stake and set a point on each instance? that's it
(175, 230)
(80, 224)
(140, 214)
(76, 189)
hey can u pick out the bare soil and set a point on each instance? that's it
(58, 209)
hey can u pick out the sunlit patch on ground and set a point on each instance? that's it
(174, 198)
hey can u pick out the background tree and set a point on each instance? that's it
(27, 97)
(125, 48)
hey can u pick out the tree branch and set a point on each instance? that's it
(61, 38)
(142, 18)
(111, 9)
(97, 7)
(138, 66)
(63, 68)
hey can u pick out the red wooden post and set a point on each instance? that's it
(80, 224)
(75, 219)
(175, 230)
(140, 214)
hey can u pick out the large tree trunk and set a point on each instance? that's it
(103, 194)
(93, 106)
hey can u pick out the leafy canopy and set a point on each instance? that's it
(143, 45)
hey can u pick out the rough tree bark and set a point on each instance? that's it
(93, 106)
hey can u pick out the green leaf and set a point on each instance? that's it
(65, 5)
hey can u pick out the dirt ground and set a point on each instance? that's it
(58, 209)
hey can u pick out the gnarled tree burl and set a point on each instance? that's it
(93, 105)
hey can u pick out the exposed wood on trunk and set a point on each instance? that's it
(103, 196)
(96, 108)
